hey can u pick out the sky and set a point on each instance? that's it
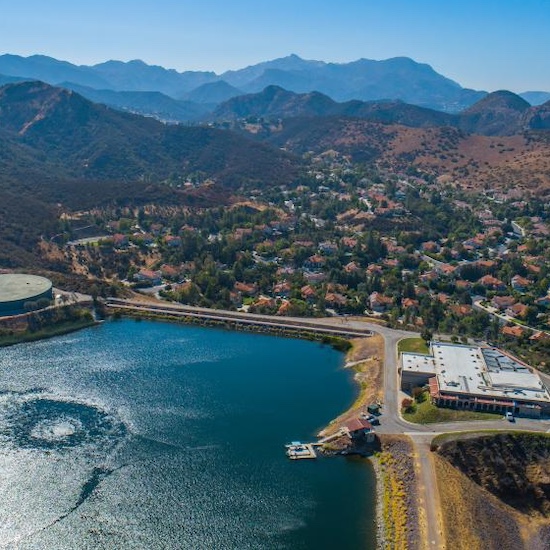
(481, 44)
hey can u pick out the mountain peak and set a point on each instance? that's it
(499, 101)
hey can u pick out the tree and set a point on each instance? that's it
(426, 335)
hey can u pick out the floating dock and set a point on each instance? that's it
(298, 451)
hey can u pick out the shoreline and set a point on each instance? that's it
(46, 333)
(358, 355)
(366, 360)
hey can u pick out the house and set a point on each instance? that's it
(308, 293)
(409, 302)
(120, 240)
(282, 289)
(172, 241)
(351, 267)
(543, 301)
(380, 303)
(170, 272)
(328, 247)
(334, 299)
(517, 310)
(503, 302)
(148, 276)
(314, 262)
(246, 289)
(314, 278)
(520, 283)
(514, 331)
(359, 428)
(488, 281)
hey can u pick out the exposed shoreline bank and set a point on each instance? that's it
(46, 333)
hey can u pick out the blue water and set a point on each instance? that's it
(152, 435)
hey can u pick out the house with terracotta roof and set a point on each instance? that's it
(380, 303)
(514, 331)
(246, 289)
(315, 262)
(517, 310)
(282, 289)
(308, 293)
(359, 428)
(490, 282)
(520, 283)
(148, 276)
(503, 302)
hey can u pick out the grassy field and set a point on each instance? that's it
(424, 412)
(413, 345)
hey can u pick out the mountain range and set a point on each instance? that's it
(498, 113)
(398, 78)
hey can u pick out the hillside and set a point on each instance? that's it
(155, 104)
(498, 114)
(58, 148)
(472, 161)
(495, 490)
(276, 102)
(94, 142)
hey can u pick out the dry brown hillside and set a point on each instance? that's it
(495, 491)
(472, 161)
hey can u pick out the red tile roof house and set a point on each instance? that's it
(246, 289)
(488, 281)
(170, 272)
(409, 302)
(517, 310)
(379, 303)
(335, 300)
(359, 428)
(315, 262)
(514, 332)
(503, 302)
(282, 289)
(172, 240)
(308, 293)
(120, 240)
(520, 283)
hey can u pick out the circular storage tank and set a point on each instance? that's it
(18, 289)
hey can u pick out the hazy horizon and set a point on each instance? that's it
(486, 47)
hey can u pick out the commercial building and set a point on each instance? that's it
(17, 290)
(476, 378)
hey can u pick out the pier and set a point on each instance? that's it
(299, 451)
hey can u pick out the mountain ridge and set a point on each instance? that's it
(363, 79)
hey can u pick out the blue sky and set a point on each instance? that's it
(482, 44)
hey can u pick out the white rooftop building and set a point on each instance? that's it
(476, 378)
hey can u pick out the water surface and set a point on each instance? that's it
(152, 435)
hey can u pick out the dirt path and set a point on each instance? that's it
(428, 494)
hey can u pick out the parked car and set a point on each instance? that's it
(510, 417)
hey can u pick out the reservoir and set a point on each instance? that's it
(153, 435)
